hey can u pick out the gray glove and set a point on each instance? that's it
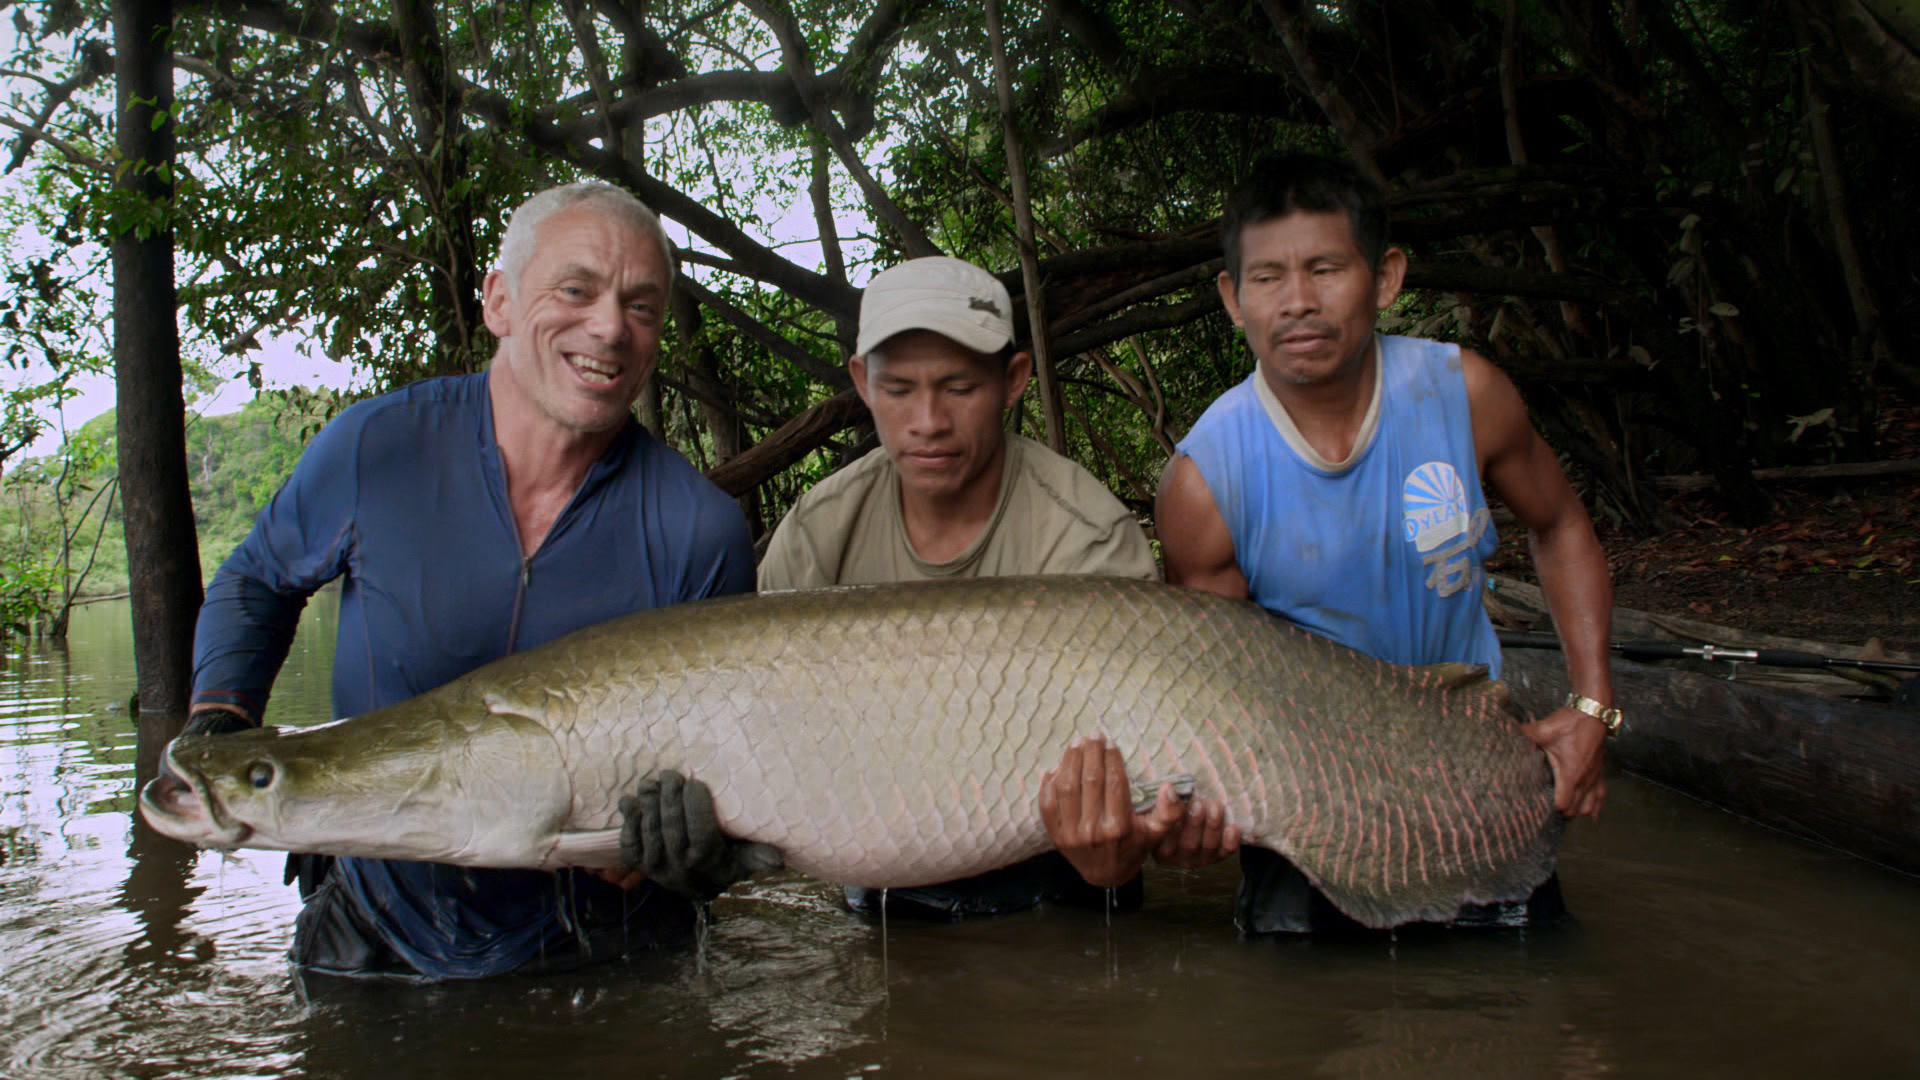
(668, 830)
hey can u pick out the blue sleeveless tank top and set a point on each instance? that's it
(1382, 553)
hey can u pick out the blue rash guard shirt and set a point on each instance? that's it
(405, 498)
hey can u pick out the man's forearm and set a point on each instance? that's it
(239, 642)
(1579, 594)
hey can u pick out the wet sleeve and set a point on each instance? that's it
(299, 542)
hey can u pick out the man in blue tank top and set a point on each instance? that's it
(468, 518)
(1340, 486)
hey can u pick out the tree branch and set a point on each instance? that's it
(830, 374)
(1138, 321)
(581, 20)
(67, 150)
(820, 190)
(376, 42)
(1033, 288)
(1467, 277)
(750, 257)
(793, 51)
(793, 441)
(1167, 93)
(95, 63)
(1289, 18)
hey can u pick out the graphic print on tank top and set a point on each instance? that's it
(1441, 526)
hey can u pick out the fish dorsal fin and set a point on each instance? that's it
(1457, 675)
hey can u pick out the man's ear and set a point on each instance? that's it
(1229, 296)
(1387, 280)
(857, 371)
(494, 303)
(1019, 370)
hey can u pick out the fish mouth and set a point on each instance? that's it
(180, 803)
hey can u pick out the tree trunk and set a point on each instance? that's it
(163, 560)
(723, 427)
(454, 272)
(1035, 294)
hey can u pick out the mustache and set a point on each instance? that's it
(1314, 326)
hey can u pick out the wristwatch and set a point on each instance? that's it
(1606, 714)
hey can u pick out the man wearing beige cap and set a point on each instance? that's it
(949, 493)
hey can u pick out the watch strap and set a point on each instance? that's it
(1607, 714)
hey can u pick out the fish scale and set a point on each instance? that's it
(897, 735)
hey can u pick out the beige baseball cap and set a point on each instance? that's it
(948, 296)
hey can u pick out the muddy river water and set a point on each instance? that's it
(1703, 946)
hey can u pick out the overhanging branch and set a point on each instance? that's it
(794, 440)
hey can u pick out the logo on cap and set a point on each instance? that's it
(975, 303)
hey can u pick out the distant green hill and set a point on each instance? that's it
(235, 464)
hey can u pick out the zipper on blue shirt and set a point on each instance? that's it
(519, 602)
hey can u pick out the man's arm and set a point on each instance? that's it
(299, 542)
(1521, 469)
(1194, 540)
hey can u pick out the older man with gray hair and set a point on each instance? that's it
(468, 518)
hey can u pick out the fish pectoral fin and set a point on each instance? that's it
(499, 704)
(597, 848)
(1148, 793)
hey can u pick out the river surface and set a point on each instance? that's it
(1705, 946)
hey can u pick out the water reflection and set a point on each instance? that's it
(1705, 945)
(159, 892)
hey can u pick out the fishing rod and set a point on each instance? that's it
(1672, 650)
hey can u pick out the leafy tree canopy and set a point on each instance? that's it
(1669, 222)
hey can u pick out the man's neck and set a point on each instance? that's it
(939, 529)
(1329, 414)
(545, 463)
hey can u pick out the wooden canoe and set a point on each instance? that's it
(1809, 754)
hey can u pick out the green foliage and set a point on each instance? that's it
(330, 178)
(53, 508)
(24, 588)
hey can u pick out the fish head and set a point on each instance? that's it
(486, 792)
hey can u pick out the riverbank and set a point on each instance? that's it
(1838, 561)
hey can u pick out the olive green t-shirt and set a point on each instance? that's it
(1053, 518)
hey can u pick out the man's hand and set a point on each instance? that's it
(1087, 806)
(1203, 839)
(215, 719)
(1576, 748)
(668, 832)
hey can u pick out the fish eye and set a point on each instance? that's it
(260, 774)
